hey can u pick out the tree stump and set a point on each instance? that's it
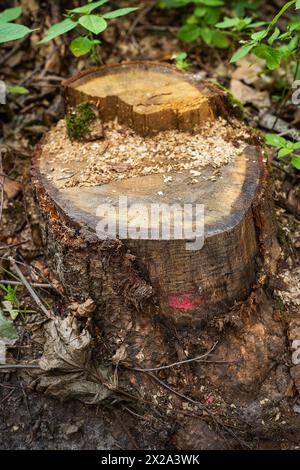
(148, 290)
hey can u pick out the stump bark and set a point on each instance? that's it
(148, 290)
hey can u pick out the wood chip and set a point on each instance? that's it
(122, 153)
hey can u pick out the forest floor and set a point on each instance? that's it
(31, 420)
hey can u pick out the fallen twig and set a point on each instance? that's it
(1, 187)
(7, 247)
(37, 300)
(39, 273)
(143, 12)
(18, 283)
(19, 366)
(179, 362)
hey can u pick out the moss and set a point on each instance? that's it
(281, 235)
(78, 121)
(235, 104)
(279, 304)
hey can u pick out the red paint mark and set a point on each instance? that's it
(210, 399)
(185, 301)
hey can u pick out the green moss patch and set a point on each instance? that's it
(78, 121)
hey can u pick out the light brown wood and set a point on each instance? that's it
(148, 97)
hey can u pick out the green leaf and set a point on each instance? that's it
(13, 312)
(200, 12)
(211, 3)
(81, 46)
(269, 54)
(219, 40)
(213, 37)
(7, 328)
(58, 29)
(245, 23)
(212, 15)
(275, 140)
(191, 19)
(12, 32)
(284, 151)
(259, 35)
(16, 89)
(10, 14)
(116, 13)
(189, 32)
(296, 162)
(286, 35)
(297, 4)
(293, 43)
(241, 52)
(274, 36)
(228, 23)
(293, 27)
(180, 56)
(240, 6)
(173, 3)
(206, 35)
(288, 49)
(89, 7)
(235, 23)
(180, 62)
(258, 24)
(95, 24)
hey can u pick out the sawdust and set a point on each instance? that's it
(291, 295)
(122, 153)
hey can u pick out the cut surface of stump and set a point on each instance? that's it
(146, 96)
(188, 285)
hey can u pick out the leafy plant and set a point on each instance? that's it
(200, 23)
(180, 60)
(203, 21)
(270, 43)
(10, 31)
(286, 148)
(11, 301)
(12, 304)
(92, 24)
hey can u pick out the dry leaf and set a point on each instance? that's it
(246, 94)
(249, 70)
(83, 310)
(66, 367)
(12, 188)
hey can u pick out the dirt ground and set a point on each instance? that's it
(259, 418)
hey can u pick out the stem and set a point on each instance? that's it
(280, 13)
(94, 54)
(297, 69)
(19, 366)
(37, 300)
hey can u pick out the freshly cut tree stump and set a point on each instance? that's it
(145, 288)
(148, 97)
